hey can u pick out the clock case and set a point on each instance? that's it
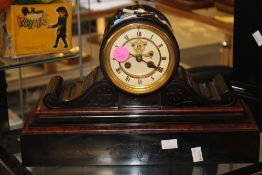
(93, 123)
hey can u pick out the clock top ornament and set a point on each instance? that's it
(139, 53)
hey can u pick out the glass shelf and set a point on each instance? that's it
(11, 63)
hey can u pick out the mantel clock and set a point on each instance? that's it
(139, 96)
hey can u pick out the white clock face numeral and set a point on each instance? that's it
(147, 61)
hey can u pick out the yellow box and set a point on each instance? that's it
(37, 28)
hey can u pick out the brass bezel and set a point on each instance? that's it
(141, 89)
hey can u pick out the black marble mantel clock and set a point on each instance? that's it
(137, 97)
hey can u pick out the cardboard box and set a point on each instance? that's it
(37, 28)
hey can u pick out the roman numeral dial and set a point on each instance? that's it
(148, 63)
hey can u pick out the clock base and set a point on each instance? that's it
(92, 123)
(78, 136)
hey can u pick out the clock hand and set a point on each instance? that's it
(139, 58)
(150, 64)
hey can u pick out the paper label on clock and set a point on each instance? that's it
(169, 144)
(258, 37)
(121, 54)
(197, 154)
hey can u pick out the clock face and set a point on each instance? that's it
(139, 58)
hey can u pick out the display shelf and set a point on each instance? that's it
(11, 63)
(39, 75)
(36, 59)
(100, 9)
(68, 72)
(211, 16)
(215, 14)
(206, 16)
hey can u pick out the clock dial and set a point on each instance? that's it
(145, 57)
(138, 58)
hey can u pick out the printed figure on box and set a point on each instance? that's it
(61, 26)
